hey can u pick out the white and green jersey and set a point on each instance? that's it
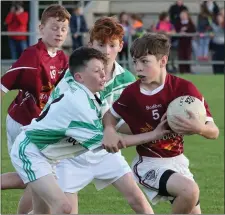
(113, 88)
(70, 126)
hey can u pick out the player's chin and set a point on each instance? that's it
(101, 88)
(58, 43)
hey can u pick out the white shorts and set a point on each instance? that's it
(148, 172)
(102, 168)
(13, 129)
(28, 161)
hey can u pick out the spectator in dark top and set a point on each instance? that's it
(218, 43)
(16, 21)
(124, 21)
(204, 28)
(78, 26)
(175, 10)
(185, 25)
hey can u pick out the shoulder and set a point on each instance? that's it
(75, 97)
(178, 80)
(181, 85)
(32, 51)
(132, 88)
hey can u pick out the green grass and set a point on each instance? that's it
(206, 163)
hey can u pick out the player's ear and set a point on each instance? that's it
(78, 77)
(163, 62)
(41, 27)
(121, 46)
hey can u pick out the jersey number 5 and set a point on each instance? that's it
(155, 114)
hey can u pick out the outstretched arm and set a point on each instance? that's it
(112, 141)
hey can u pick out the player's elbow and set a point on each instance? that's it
(215, 134)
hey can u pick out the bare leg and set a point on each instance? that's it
(11, 180)
(47, 188)
(25, 204)
(73, 200)
(40, 206)
(133, 194)
(186, 192)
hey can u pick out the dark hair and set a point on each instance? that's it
(163, 15)
(80, 57)
(120, 17)
(55, 11)
(157, 44)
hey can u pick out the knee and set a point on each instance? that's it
(66, 208)
(191, 192)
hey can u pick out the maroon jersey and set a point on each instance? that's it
(34, 74)
(142, 111)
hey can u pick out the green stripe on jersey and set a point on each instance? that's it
(120, 81)
(94, 140)
(42, 138)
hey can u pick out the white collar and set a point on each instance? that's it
(51, 54)
(153, 92)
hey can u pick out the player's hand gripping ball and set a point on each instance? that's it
(179, 107)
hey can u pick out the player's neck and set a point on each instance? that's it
(49, 48)
(109, 68)
(156, 83)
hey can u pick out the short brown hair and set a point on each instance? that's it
(106, 29)
(55, 11)
(157, 44)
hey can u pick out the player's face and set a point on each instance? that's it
(93, 76)
(148, 68)
(53, 32)
(110, 49)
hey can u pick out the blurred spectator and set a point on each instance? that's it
(211, 8)
(185, 25)
(204, 28)
(175, 10)
(164, 24)
(78, 27)
(218, 43)
(137, 29)
(16, 21)
(222, 10)
(124, 21)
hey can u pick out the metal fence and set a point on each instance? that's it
(34, 20)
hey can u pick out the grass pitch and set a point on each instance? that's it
(206, 163)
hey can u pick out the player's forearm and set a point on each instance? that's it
(109, 121)
(138, 139)
(210, 131)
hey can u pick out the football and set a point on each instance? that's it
(179, 107)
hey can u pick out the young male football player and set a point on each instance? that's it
(160, 165)
(34, 74)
